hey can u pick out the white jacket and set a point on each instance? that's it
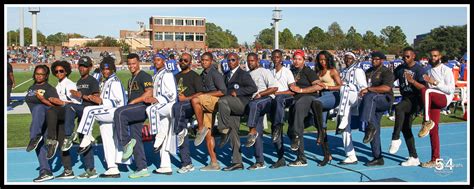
(112, 92)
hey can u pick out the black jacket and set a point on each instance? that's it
(242, 83)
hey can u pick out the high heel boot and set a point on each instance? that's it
(317, 108)
(327, 153)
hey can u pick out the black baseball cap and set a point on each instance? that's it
(85, 61)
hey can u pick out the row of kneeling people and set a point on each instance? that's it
(169, 101)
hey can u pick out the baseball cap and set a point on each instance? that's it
(85, 61)
(299, 52)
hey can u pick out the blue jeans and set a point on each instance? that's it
(72, 111)
(182, 113)
(329, 100)
(38, 117)
(257, 110)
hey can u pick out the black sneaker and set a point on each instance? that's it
(258, 165)
(295, 143)
(44, 176)
(251, 139)
(52, 146)
(280, 163)
(375, 162)
(67, 174)
(369, 133)
(34, 143)
(90, 173)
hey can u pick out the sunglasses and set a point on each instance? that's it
(406, 57)
(232, 60)
(183, 60)
(59, 71)
(40, 74)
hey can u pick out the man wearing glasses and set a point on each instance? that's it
(410, 79)
(376, 99)
(240, 88)
(189, 86)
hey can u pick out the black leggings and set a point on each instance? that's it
(55, 123)
(404, 112)
(54, 116)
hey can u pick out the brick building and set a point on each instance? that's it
(178, 32)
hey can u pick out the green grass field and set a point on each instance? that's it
(18, 127)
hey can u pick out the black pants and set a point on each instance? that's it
(404, 112)
(298, 114)
(54, 116)
(9, 91)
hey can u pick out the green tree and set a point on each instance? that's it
(336, 36)
(13, 37)
(218, 38)
(372, 41)
(452, 40)
(124, 46)
(105, 41)
(56, 39)
(287, 40)
(353, 39)
(266, 38)
(315, 39)
(299, 41)
(394, 39)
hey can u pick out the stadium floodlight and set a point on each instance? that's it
(34, 11)
(276, 18)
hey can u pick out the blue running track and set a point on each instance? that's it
(23, 166)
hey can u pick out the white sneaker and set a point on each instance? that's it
(394, 146)
(164, 170)
(411, 162)
(112, 171)
(159, 139)
(391, 118)
(181, 135)
(86, 141)
(349, 160)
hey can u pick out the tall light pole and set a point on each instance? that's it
(34, 11)
(22, 28)
(276, 18)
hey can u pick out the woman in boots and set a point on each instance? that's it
(330, 82)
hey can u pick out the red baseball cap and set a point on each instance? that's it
(299, 52)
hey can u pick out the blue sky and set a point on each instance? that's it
(245, 21)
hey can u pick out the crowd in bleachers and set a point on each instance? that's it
(30, 55)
